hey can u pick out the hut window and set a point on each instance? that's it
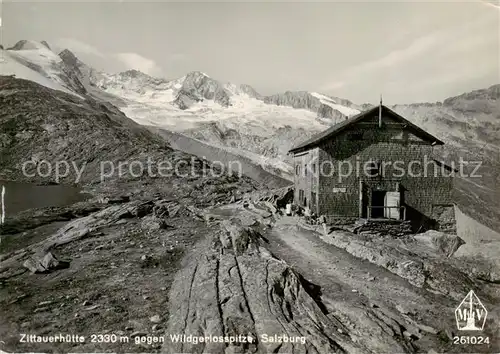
(314, 168)
(301, 195)
(305, 170)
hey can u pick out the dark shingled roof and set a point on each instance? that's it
(339, 127)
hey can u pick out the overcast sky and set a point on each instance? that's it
(408, 51)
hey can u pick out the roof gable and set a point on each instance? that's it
(340, 127)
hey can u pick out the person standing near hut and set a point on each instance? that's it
(322, 220)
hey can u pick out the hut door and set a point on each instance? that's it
(391, 203)
(363, 200)
(377, 204)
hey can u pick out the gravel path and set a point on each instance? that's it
(351, 288)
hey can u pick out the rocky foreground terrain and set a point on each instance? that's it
(145, 270)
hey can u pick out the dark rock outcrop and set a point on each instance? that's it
(141, 77)
(46, 44)
(70, 59)
(250, 91)
(19, 45)
(305, 100)
(295, 99)
(196, 87)
(27, 44)
(71, 77)
(325, 111)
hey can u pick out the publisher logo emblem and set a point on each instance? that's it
(471, 313)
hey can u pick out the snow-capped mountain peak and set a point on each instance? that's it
(35, 61)
(194, 92)
(197, 73)
(331, 102)
(30, 45)
(33, 52)
(198, 86)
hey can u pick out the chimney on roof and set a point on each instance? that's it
(380, 113)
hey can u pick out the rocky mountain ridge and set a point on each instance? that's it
(222, 113)
(197, 86)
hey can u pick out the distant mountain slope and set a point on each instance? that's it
(468, 120)
(40, 124)
(273, 143)
(470, 125)
(231, 160)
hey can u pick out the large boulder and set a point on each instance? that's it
(44, 263)
(440, 242)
